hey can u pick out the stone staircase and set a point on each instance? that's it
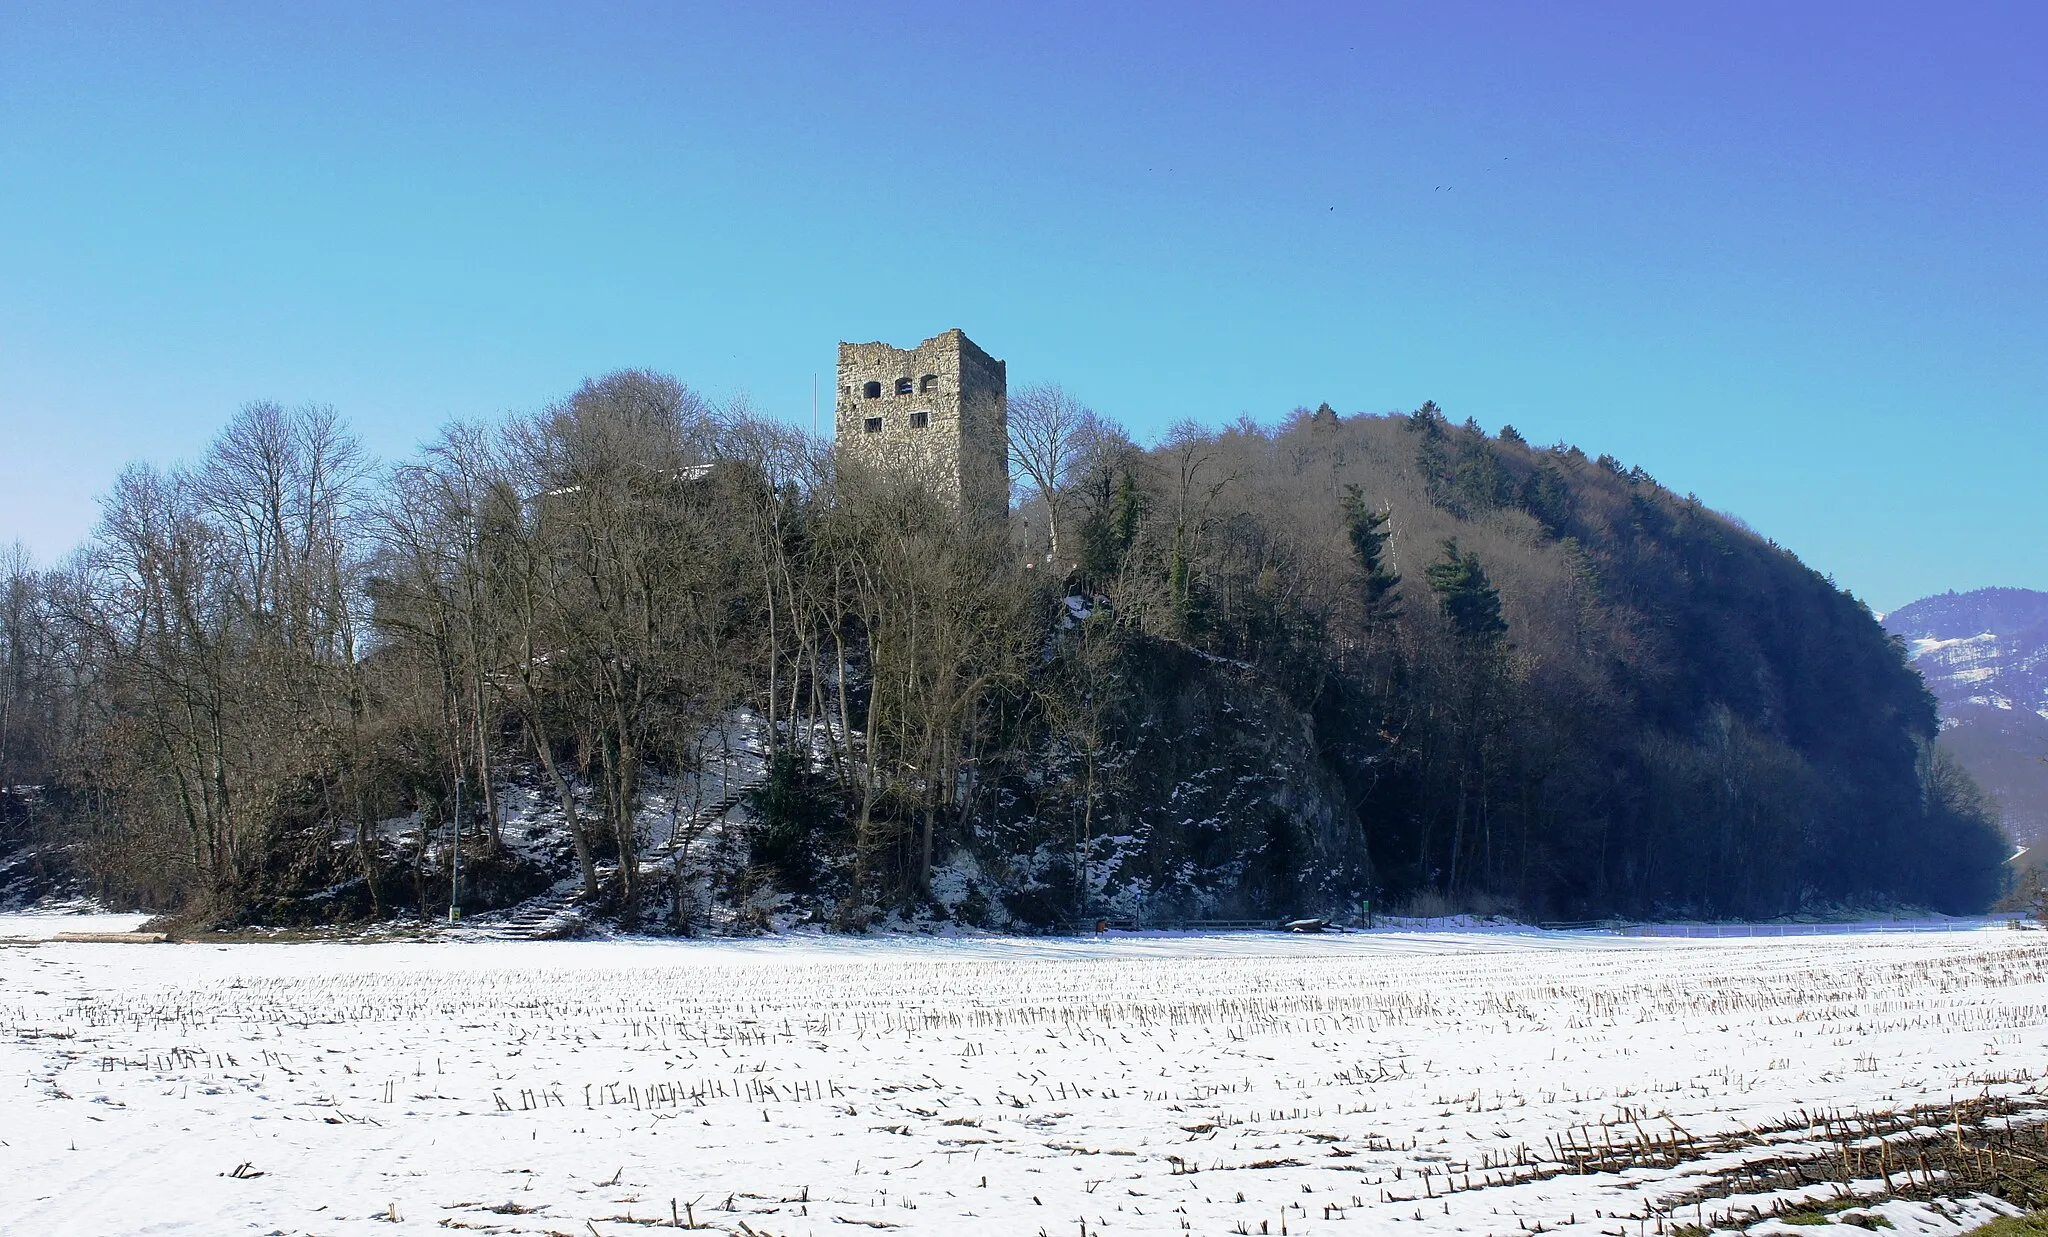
(560, 914)
(700, 820)
(553, 916)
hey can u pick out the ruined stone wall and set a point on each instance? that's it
(938, 412)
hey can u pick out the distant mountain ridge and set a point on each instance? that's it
(1984, 655)
(1986, 609)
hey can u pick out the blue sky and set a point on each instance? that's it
(1789, 257)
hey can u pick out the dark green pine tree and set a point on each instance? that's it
(1368, 531)
(1547, 496)
(1125, 513)
(1479, 482)
(1428, 419)
(1468, 598)
(1107, 536)
(1433, 455)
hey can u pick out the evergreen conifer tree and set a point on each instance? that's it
(1369, 534)
(1468, 598)
(1547, 496)
(1107, 536)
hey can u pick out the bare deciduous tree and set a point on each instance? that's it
(1050, 433)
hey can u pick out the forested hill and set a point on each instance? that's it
(1256, 671)
(1584, 695)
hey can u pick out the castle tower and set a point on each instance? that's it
(938, 411)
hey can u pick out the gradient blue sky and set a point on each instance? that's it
(1790, 257)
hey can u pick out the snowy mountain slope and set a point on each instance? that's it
(1984, 655)
(1946, 615)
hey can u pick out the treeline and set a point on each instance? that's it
(1252, 671)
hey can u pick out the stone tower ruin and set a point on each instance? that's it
(938, 412)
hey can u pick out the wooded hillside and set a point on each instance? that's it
(1255, 671)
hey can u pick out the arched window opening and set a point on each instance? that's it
(873, 390)
(903, 386)
(920, 419)
(874, 425)
(928, 383)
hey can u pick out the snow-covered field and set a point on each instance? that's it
(32, 926)
(1234, 1084)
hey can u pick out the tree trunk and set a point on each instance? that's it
(584, 861)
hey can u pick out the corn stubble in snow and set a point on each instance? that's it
(1477, 1083)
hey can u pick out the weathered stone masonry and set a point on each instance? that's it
(938, 411)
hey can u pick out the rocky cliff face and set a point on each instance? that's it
(1984, 655)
